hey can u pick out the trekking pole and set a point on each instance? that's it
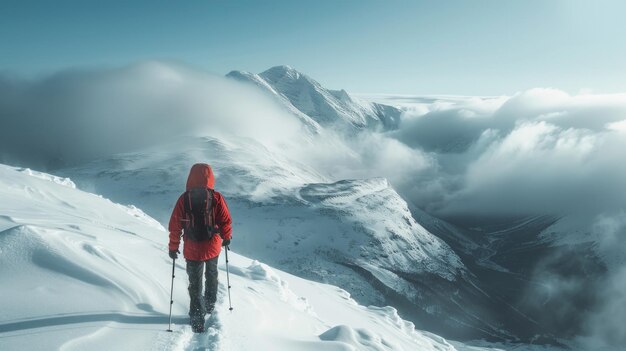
(169, 329)
(230, 305)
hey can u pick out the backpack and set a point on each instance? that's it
(199, 222)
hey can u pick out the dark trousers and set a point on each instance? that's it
(199, 304)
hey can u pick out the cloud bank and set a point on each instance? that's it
(77, 115)
(539, 152)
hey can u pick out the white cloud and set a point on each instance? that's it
(539, 151)
(81, 114)
(617, 126)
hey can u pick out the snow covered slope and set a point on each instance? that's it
(308, 99)
(281, 208)
(70, 257)
(357, 234)
(79, 272)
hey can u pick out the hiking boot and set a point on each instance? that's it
(197, 325)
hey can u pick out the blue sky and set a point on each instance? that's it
(408, 47)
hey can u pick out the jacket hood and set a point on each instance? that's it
(200, 176)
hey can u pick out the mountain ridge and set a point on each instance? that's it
(299, 92)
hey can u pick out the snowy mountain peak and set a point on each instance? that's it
(332, 108)
(283, 72)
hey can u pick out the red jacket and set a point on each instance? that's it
(201, 175)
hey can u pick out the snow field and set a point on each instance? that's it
(80, 272)
(287, 215)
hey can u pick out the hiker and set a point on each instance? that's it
(202, 217)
